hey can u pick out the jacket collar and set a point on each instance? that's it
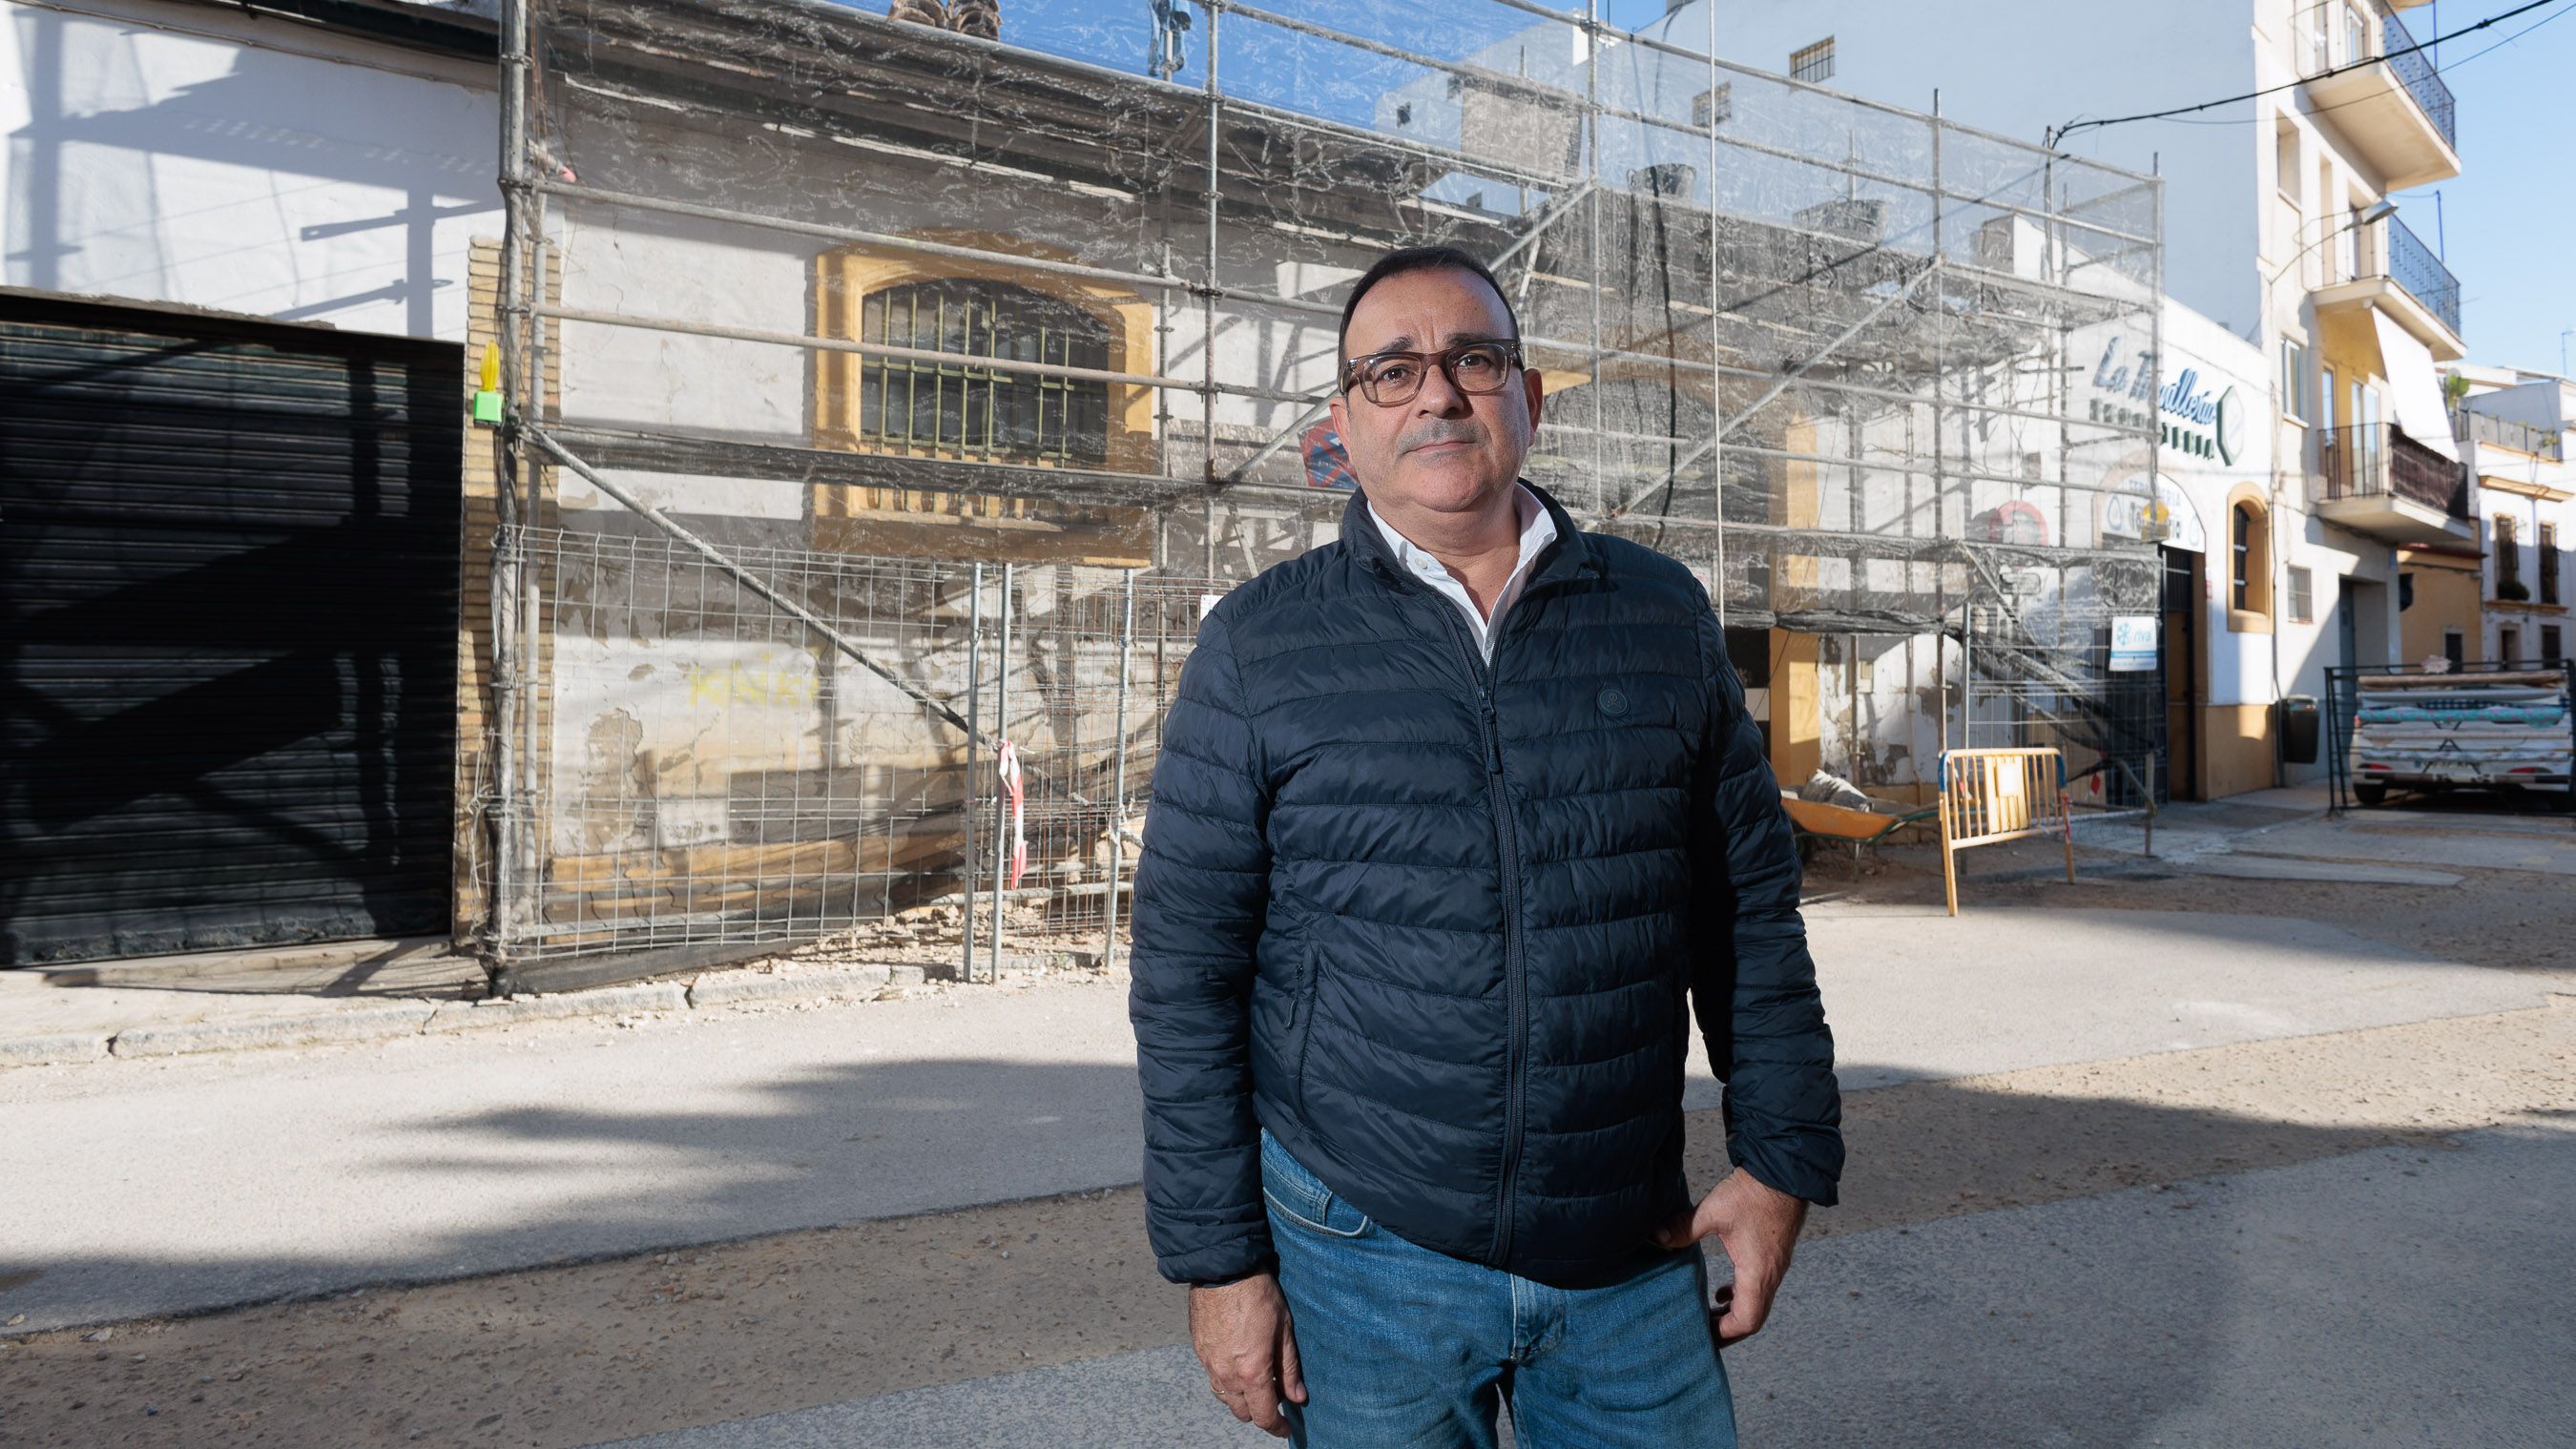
(1568, 556)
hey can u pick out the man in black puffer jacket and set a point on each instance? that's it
(1457, 823)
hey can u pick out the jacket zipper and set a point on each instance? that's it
(1515, 986)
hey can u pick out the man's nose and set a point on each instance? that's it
(1440, 398)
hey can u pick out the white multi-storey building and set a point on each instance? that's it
(2280, 230)
(2516, 429)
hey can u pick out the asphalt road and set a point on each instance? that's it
(167, 1186)
(2375, 1297)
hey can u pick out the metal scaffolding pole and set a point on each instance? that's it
(509, 545)
(1118, 773)
(1940, 455)
(530, 398)
(2155, 462)
(966, 793)
(1207, 274)
(1716, 389)
(1592, 209)
(803, 341)
(1001, 787)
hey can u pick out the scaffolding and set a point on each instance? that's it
(886, 405)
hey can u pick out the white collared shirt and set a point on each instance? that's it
(1538, 530)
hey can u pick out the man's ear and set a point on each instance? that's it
(1533, 389)
(1338, 408)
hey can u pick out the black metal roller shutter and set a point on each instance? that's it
(228, 578)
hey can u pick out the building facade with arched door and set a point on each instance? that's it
(2260, 595)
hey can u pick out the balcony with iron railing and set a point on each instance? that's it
(2367, 78)
(2385, 265)
(2413, 266)
(2373, 479)
(2470, 425)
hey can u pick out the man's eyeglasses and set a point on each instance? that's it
(1392, 379)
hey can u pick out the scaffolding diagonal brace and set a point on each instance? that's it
(716, 557)
(1279, 440)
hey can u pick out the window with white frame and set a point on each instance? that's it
(2356, 37)
(2296, 404)
(2303, 601)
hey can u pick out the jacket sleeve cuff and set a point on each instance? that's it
(1808, 1166)
(1218, 1265)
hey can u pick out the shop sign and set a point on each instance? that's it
(2133, 643)
(2167, 518)
(2197, 419)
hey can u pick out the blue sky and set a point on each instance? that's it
(2507, 222)
(2506, 225)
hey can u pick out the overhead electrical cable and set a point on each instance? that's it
(2058, 134)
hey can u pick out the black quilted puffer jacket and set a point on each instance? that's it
(1433, 922)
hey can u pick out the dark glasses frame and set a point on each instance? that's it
(1353, 379)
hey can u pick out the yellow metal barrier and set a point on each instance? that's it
(1989, 796)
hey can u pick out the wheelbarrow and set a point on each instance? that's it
(1817, 821)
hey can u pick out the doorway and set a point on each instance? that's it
(2178, 647)
(2361, 620)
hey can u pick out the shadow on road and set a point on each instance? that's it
(895, 1302)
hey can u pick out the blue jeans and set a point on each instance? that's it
(1405, 1348)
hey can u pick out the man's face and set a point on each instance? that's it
(1443, 450)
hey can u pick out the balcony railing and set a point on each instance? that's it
(2415, 71)
(2339, 35)
(2412, 265)
(2373, 460)
(2469, 424)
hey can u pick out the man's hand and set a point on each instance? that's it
(1757, 1225)
(1243, 1338)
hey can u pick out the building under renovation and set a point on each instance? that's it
(874, 405)
(884, 403)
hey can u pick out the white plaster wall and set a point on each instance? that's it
(693, 272)
(2239, 666)
(179, 153)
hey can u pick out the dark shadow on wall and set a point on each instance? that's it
(227, 614)
(837, 1144)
